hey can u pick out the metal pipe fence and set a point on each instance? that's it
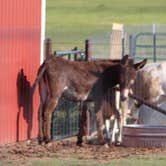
(147, 41)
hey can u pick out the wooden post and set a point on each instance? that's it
(87, 58)
(48, 47)
(117, 41)
(87, 51)
(75, 55)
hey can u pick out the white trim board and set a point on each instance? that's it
(43, 27)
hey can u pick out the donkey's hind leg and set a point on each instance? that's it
(43, 96)
(82, 123)
(40, 119)
(49, 108)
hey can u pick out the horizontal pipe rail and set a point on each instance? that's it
(142, 101)
(155, 107)
(64, 53)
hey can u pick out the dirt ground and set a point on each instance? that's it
(66, 148)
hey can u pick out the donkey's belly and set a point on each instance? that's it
(72, 94)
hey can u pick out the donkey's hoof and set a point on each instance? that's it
(79, 143)
(40, 141)
(49, 144)
(47, 140)
(102, 142)
(113, 143)
(106, 146)
(117, 143)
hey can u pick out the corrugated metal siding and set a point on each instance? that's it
(20, 25)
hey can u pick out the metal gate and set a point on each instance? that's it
(65, 119)
(149, 45)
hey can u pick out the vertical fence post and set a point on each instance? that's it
(69, 56)
(123, 41)
(67, 119)
(154, 42)
(131, 46)
(48, 47)
(87, 51)
(134, 46)
(75, 55)
(87, 58)
(88, 119)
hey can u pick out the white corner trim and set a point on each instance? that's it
(43, 27)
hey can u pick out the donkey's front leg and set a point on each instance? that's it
(122, 120)
(114, 131)
(120, 130)
(82, 124)
(99, 124)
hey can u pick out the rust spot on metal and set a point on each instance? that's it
(144, 136)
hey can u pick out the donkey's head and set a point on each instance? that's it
(128, 74)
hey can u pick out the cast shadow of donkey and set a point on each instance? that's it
(25, 104)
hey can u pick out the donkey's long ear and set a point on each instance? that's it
(140, 65)
(124, 60)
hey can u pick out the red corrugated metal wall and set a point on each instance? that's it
(20, 25)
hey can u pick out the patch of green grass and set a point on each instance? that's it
(75, 20)
(152, 160)
(142, 161)
(49, 162)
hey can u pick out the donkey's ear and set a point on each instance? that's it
(140, 65)
(124, 60)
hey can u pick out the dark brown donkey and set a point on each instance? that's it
(80, 81)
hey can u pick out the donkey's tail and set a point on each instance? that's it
(39, 76)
